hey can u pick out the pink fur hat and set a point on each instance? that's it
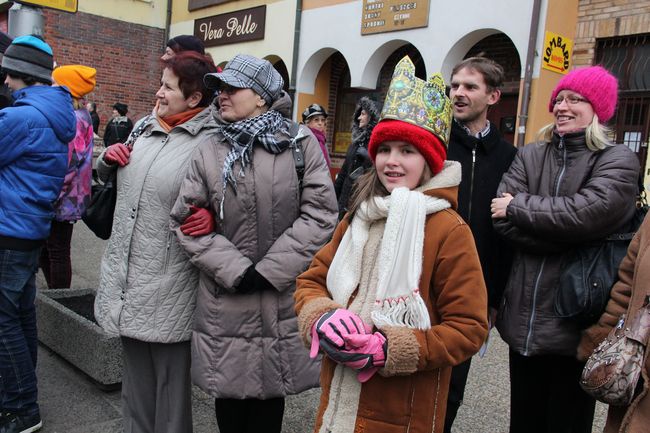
(596, 85)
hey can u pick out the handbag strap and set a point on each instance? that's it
(137, 132)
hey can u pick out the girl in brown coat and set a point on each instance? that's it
(403, 278)
(629, 295)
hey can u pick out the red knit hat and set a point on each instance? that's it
(430, 146)
(596, 85)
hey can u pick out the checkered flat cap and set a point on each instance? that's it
(248, 72)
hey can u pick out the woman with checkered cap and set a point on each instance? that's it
(269, 223)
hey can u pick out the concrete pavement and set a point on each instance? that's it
(71, 403)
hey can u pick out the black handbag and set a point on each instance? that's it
(589, 273)
(98, 216)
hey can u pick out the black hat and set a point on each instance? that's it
(121, 108)
(29, 55)
(313, 110)
(186, 43)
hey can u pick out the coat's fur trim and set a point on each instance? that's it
(403, 351)
(310, 313)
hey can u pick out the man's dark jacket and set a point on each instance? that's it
(483, 161)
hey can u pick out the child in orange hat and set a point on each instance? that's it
(75, 195)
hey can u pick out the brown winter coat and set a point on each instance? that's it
(247, 345)
(410, 393)
(565, 195)
(628, 294)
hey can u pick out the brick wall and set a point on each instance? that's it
(125, 55)
(607, 18)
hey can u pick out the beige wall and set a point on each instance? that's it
(321, 94)
(278, 33)
(152, 13)
(180, 12)
(314, 4)
(561, 18)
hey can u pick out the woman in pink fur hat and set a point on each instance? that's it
(569, 190)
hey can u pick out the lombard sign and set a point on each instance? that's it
(233, 27)
(557, 53)
(379, 16)
(61, 5)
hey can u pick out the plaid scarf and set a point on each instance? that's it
(241, 136)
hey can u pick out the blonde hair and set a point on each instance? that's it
(596, 135)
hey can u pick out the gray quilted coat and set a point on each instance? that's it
(247, 345)
(147, 287)
(564, 196)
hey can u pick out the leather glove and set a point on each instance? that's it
(332, 326)
(118, 154)
(199, 223)
(253, 281)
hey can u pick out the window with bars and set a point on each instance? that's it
(628, 58)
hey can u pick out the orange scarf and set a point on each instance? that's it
(168, 122)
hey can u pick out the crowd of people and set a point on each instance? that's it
(236, 263)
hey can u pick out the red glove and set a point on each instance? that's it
(199, 223)
(118, 154)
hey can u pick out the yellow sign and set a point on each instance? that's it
(61, 5)
(379, 16)
(557, 53)
(342, 141)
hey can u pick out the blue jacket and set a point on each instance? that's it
(34, 136)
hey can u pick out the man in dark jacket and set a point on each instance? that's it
(34, 135)
(484, 157)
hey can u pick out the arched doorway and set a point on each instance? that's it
(347, 96)
(281, 67)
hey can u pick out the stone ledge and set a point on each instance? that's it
(76, 339)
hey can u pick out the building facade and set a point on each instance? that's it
(616, 34)
(263, 28)
(122, 39)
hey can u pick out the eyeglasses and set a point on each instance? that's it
(571, 100)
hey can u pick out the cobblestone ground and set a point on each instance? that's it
(70, 403)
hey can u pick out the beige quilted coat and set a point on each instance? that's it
(147, 287)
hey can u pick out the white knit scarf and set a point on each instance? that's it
(398, 301)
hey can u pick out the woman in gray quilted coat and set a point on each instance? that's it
(148, 286)
(246, 351)
(573, 188)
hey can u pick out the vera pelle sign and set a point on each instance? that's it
(233, 27)
(557, 53)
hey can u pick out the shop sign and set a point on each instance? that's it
(379, 16)
(233, 27)
(557, 53)
(60, 5)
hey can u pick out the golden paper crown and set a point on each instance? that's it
(421, 103)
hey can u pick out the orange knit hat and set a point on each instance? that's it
(79, 79)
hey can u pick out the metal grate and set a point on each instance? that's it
(628, 58)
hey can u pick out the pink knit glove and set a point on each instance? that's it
(332, 327)
(368, 354)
